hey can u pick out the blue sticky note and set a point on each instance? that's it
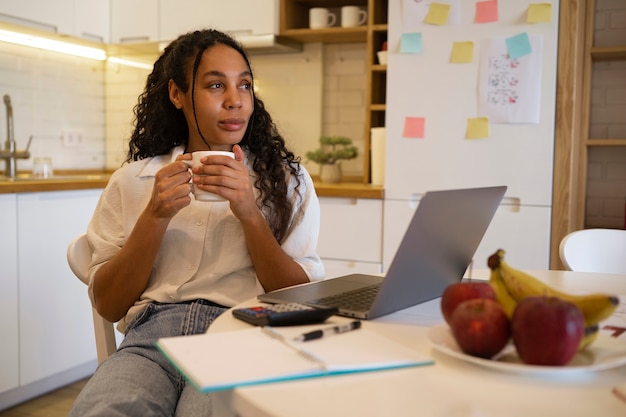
(411, 43)
(518, 45)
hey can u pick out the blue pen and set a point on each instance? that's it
(318, 334)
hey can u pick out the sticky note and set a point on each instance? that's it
(486, 11)
(414, 127)
(462, 52)
(411, 43)
(518, 45)
(539, 13)
(437, 14)
(478, 128)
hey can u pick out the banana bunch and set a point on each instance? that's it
(511, 285)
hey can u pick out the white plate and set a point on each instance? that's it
(606, 352)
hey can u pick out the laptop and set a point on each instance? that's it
(436, 250)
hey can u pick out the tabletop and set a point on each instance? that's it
(452, 387)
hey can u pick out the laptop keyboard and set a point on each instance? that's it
(356, 300)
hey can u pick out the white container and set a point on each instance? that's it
(377, 150)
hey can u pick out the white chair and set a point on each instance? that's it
(595, 250)
(78, 258)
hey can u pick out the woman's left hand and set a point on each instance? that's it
(230, 179)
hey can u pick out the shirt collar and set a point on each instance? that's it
(159, 161)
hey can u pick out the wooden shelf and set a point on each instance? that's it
(328, 35)
(606, 53)
(605, 142)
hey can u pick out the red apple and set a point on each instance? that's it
(456, 293)
(480, 327)
(546, 330)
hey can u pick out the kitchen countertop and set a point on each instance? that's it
(80, 180)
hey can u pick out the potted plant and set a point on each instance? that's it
(332, 150)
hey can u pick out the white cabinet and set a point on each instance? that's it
(89, 19)
(56, 328)
(238, 17)
(350, 238)
(55, 16)
(135, 21)
(518, 229)
(46, 320)
(9, 376)
(92, 20)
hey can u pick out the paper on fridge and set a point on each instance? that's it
(225, 360)
(509, 89)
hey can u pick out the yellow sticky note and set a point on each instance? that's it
(478, 128)
(462, 52)
(539, 13)
(437, 14)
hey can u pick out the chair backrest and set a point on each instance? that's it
(78, 258)
(595, 250)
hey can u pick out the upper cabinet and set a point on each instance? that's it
(127, 27)
(237, 17)
(87, 19)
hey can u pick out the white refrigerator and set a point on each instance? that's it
(436, 109)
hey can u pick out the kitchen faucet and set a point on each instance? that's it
(9, 153)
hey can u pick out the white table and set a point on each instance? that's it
(450, 388)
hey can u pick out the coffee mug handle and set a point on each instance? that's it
(332, 19)
(362, 17)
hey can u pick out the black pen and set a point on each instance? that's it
(318, 334)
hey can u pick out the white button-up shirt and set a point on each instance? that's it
(203, 253)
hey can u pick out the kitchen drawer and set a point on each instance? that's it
(335, 268)
(351, 229)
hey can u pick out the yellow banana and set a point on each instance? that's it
(503, 297)
(590, 336)
(595, 307)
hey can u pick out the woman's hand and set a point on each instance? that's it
(229, 178)
(171, 189)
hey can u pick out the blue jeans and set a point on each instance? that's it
(137, 380)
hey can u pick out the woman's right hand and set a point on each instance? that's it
(172, 188)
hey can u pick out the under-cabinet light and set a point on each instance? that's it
(129, 63)
(52, 45)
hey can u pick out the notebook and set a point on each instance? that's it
(259, 355)
(437, 248)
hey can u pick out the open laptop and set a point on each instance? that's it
(437, 248)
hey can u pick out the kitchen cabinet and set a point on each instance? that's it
(518, 229)
(92, 20)
(54, 16)
(87, 19)
(9, 377)
(54, 337)
(135, 21)
(237, 17)
(350, 238)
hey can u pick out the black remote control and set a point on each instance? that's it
(291, 314)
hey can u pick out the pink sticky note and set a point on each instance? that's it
(487, 11)
(414, 127)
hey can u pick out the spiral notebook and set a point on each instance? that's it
(225, 360)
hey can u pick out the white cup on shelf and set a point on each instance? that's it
(321, 17)
(352, 16)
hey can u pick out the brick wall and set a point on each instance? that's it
(51, 93)
(606, 173)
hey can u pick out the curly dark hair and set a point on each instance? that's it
(159, 125)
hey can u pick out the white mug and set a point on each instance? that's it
(199, 194)
(320, 17)
(352, 16)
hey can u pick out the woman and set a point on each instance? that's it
(166, 265)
